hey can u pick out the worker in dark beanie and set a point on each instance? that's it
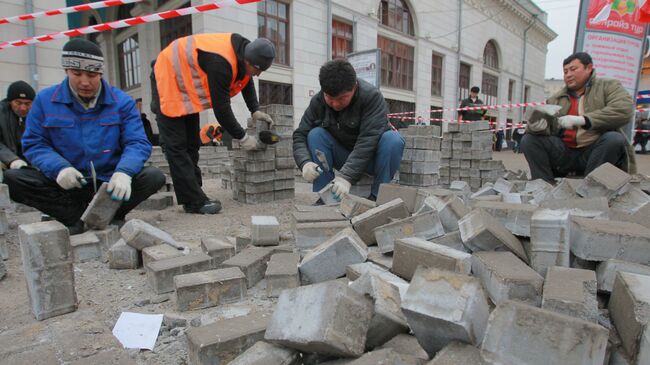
(81, 133)
(13, 113)
(225, 63)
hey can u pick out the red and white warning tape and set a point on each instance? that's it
(125, 22)
(482, 107)
(69, 9)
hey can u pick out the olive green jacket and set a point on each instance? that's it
(607, 105)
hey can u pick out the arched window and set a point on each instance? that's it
(491, 56)
(396, 14)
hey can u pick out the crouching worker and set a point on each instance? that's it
(79, 121)
(347, 122)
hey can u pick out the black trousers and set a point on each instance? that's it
(181, 143)
(548, 157)
(31, 187)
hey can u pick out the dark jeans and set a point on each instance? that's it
(31, 187)
(180, 137)
(548, 157)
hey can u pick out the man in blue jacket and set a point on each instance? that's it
(79, 121)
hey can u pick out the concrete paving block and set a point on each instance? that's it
(503, 186)
(352, 205)
(597, 204)
(450, 210)
(209, 288)
(522, 334)
(140, 234)
(326, 318)
(252, 261)
(47, 261)
(222, 341)
(387, 319)
(123, 256)
(3, 270)
(310, 235)
(264, 353)
(483, 192)
(85, 247)
(4, 247)
(323, 215)
(423, 225)
(605, 181)
(599, 240)
(563, 190)
(482, 232)
(5, 201)
(629, 310)
(442, 306)
(101, 209)
(606, 272)
(329, 260)
(158, 201)
(4, 222)
(515, 217)
(458, 353)
(388, 192)
(107, 236)
(376, 257)
(413, 252)
(639, 216)
(159, 252)
(327, 196)
(385, 356)
(571, 292)
(549, 239)
(506, 277)
(364, 223)
(406, 345)
(219, 249)
(451, 240)
(265, 230)
(631, 201)
(355, 271)
(282, 273)
(160, 274)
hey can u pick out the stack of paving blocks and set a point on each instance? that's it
(266, 175)
(466, 150)
(421, 158)
(214, 161)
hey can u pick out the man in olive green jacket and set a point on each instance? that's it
(588, 132)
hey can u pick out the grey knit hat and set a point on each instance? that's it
(260, 53)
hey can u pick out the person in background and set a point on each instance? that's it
(472, 101)
(146, 124)
(77, 129)
(642, 136)
(13, 113)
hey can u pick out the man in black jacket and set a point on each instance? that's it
(347, 121)
(13, 113)
(472, 101)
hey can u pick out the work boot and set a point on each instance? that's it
(77, 228)
(208, 207)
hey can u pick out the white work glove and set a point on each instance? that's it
(259, 115)
(340, 187)
(120, 186)
(16, 164)
(571, 121)
(248, 143)
(310, 171)
(69, 178)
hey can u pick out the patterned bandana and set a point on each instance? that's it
(82, 61)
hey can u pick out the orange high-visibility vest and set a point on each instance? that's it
(182, 84)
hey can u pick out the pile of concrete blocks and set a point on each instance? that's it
(466, 155)
(421, 157)
(213, 161)
(267, 174)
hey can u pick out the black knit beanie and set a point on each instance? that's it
(20, 90)
(82, 54)
(260, 53)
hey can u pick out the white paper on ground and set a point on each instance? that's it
(137, 331)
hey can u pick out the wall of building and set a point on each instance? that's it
(15, 62)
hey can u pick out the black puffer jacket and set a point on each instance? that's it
(358, 128)
(11, 130)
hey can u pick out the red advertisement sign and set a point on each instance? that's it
(618, 16)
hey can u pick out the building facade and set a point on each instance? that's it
(432, 52)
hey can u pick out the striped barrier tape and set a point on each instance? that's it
(125, 23)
